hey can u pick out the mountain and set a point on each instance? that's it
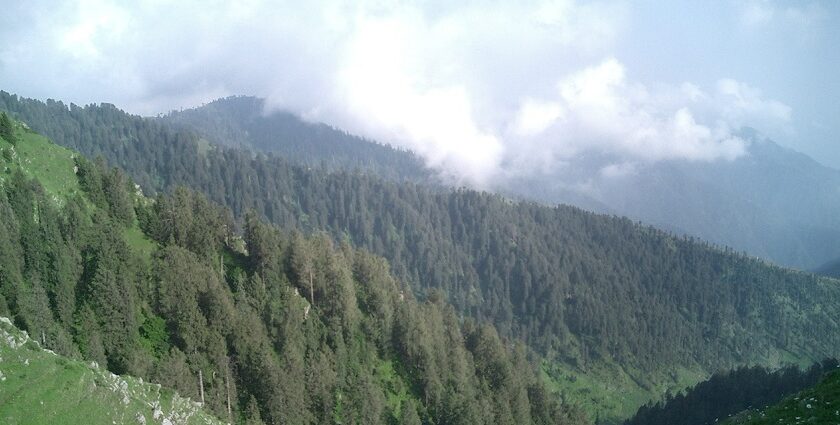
(243, 121)
(619, 313)
(37, 387)
(773, 202)
(262, 326)
(830, 269)
(816, 405)
(726, 394)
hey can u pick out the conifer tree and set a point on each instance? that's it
(7, 129)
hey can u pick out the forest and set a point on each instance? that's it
(262, 325)
(580, 289)
(545, 273)
(728, 393)
(241, 121)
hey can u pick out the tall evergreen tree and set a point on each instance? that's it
(7, 128)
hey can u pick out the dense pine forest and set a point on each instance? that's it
(241, 121)
(814, 405)
(265, 326)
(726, 394)
(580, 289)
(830, 269)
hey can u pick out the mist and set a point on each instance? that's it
(483, 91)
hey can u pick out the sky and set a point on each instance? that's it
(480, 89)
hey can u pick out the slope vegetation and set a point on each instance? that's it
(242, 121)
(264, 327)
(726, 394)
(39, 387)
(817, 405)
(830, 269)
(773, 202)
(621, 312)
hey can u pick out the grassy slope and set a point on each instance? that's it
(37, 386)
(40, 387)
(54, 167)
(38, 157)
(604, 390)
(817, 405)
(608, 393)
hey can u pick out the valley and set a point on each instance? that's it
(613, 313)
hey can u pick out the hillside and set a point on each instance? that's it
(773, 202)
(619, 312)
(265, 326)
(243, 121)
(726, 394)
(817, 405)
(38, 387)
(830, 269)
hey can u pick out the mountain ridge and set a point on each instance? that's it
(263, 326)
(600, 297)
(245, 121)
(758, 197)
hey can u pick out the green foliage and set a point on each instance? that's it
(35, 156)
(241, 121)
(154, 336)
(817, 405)
(7, 128)
(189, 221)
(296, 331)
(726, 394)
(38, 387)
(108, 189)
(830, 269)
(588, 292)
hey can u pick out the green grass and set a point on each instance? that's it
(39, 387)
(139, 242)
(40, 158)
(204, 146)
(818, 405)
(396, 390)
(54, 167)
(608, 393)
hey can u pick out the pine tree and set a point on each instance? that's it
(7, 129)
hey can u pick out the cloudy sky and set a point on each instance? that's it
(476, 87)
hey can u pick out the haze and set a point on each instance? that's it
(482, 90)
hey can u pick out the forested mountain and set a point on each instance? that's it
(593, 294)
(726, 394)
(266, 327)
(241, 121)
(819, 404)
(831, 269)
(773, 202)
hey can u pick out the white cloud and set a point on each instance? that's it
(800, 17)
(742, 100)
(603, 113)
(478, 88)
(384, 93)
(536, 116)
(755, 13)
(618, 170)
